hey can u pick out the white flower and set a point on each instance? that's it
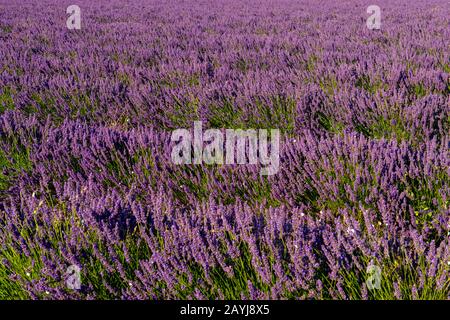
(46, 292)
(28, 274)
(302, 214)
(350, 230)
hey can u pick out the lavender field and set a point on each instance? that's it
(358, 209)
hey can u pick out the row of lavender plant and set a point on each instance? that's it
(111, 202)
(166, 65)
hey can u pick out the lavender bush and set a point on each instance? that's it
(86, 177)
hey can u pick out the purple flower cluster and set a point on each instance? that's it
(86, 176)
